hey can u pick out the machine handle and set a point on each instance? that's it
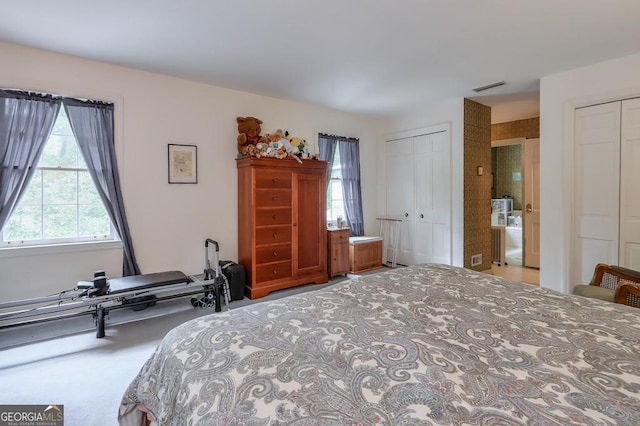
(215, 243)
(207, 261)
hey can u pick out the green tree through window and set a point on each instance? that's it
(61, 204)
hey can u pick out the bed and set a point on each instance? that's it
(426, 344)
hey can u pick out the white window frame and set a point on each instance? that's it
(111, 237)
(335, 182)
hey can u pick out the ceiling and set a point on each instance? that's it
(365, 56)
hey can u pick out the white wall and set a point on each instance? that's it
(169, 223)
(560, 94)
(451, 112)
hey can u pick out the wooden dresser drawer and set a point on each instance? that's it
(273, 179)
(339, 236)
(267, 254)
(266, 217)
(273, 235)
(273, 197)
(273, 271)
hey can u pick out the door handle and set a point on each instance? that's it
(528, 208)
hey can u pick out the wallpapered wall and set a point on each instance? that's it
(477, 189)
(528, 128)
(508, 159)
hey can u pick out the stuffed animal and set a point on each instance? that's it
(249, 133)
(278, 138)
(250, 150)
(300, 146)
(261, 150)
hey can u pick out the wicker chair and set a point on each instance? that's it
(614, 284)
(628, 293)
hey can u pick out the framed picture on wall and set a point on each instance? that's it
(183, 163)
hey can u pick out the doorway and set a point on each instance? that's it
(515, 169)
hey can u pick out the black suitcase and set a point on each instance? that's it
(236, 276)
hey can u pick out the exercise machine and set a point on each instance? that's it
(101, 295)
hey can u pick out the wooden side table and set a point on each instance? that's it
(338, 251)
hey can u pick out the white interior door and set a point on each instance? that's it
(433, 198)
(400, 196)
(423, 148)
(596, 188)
(630, 185)
(531, 211)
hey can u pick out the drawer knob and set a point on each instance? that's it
(274, 198)
(274, 180)
(275, 254)
(275, 235)
(275, 272)
(275, 216)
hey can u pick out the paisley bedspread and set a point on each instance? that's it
(426, 344)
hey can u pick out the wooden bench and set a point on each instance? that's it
(365, 254)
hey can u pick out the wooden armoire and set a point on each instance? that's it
(282, 223)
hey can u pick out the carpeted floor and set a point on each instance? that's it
(63, 363)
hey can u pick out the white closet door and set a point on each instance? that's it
(630, 185)
(400, 196)
(433, 198)
(596, 188)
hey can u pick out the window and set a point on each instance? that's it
(61, 204)
(335, 198)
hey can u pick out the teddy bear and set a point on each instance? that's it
(249, 133)
(278, 139)
(260, 150)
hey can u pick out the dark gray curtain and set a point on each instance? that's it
(92, 125)
(327, 147)
(26, 121)
(350, 167)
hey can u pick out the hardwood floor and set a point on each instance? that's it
(517, 273)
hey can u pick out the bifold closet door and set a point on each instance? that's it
(432, 198)
(596, 188)
(400, 191)
(418, 191)
(630, 185)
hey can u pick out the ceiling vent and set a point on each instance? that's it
(489, 86)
